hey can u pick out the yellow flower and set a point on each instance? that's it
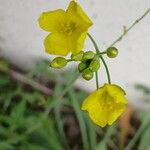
(68, 29)
(106, 104)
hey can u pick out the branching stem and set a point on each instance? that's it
(126, 30)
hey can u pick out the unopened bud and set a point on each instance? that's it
(78, 56)
(88, 55)
(112, 52)
(87, 74)
(94, 65)
(58, 62)
(82, 66)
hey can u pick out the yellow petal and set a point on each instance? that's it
(80, 42)
(75, 9)
(50, 21)
(105, 105)
(92, 105)
(56, 44)
(119, 109)
(117, 92)
(115, 88)
(76, 14)
(76, 42)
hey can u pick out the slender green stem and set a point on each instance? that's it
(126, 30)
(102, 53)
(96, 75)
(94, 43)
(101, 57)
(97, 51)
(107, 70)
(68, 60)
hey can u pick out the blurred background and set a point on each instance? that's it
(39, 111)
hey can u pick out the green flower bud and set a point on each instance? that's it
(96, 57)
(82, 66)
(88, 55)
(112, 52)
(78, 56)
(58, 62)
(94, 65)
(87, 74)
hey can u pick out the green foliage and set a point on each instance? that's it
(30, 120)
(145, 89)
(145, 144)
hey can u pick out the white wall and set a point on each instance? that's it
(21, 38)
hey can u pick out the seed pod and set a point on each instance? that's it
(87, 74)
(82, 66)
(58, 62)
(112, 52)
(88, 55)
(94, 65)
(78, 56)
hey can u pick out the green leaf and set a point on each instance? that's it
(101, 146)
(17, 114)
(35, 147)
(143, 88)
(144, 143)
(6, 146)
(7, 101)
(4, 79)
(45, 135)
(91, 128)
(76, 107)
(145, 123)
(57, 112)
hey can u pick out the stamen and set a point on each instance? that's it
(68, 28)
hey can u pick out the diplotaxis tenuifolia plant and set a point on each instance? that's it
(68, 30)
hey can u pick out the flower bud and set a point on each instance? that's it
(94, 65)
(87, 74)
(78, 56)
(88, 55)
(112, 52)
(82, 66)
(58, 62)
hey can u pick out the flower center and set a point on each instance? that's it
(107, 102)
(68, 28)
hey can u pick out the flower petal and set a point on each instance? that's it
(119, 109)
(56, 44)
(77, 15)
(92, 105)
(80, 42)
(50, 21)
(75, 9)
(117, 92)
(77, 42)
(105, 105)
